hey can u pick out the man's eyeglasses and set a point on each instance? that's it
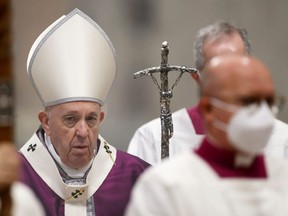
(274, 101)
(278, 101)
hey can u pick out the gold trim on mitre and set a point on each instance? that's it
(72, 60)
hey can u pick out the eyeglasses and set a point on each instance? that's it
(278, 101)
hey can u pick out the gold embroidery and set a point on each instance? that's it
(75, 194)
(108, 151)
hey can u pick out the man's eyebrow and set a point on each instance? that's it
(93, 113)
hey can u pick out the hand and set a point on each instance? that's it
(9, 164)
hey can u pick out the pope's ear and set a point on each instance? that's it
(43, 117)
(102, 116)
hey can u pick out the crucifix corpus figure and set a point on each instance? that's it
(165, 94)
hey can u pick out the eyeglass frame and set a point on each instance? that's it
(247, 101)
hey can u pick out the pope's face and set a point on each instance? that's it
(73, 129)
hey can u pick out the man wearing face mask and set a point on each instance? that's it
(219, 38)
(228, 174)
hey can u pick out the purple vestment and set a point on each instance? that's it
(111, 197)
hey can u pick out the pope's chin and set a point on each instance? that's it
(81, 157)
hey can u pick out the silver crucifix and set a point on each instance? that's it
(165, 94)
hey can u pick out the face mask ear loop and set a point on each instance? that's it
(220, 125)
(223, 105)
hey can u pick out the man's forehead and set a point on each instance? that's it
(227, 63)
(235, 73)
(223, 37)
(225, 44)
(248, 86)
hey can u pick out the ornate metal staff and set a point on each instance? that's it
(165, 94)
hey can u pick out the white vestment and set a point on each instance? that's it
(146, 142)
(188, 186)
(24, 201)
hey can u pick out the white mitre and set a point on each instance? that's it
(72, 60)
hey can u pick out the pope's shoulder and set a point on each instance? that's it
(130, 160)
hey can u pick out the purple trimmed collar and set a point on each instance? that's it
(222, 161)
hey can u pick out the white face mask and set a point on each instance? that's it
(250, 128)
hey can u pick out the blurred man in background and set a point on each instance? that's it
(228, 174)
(220, 38)
(16, 198)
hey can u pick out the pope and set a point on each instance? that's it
(71, 168)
